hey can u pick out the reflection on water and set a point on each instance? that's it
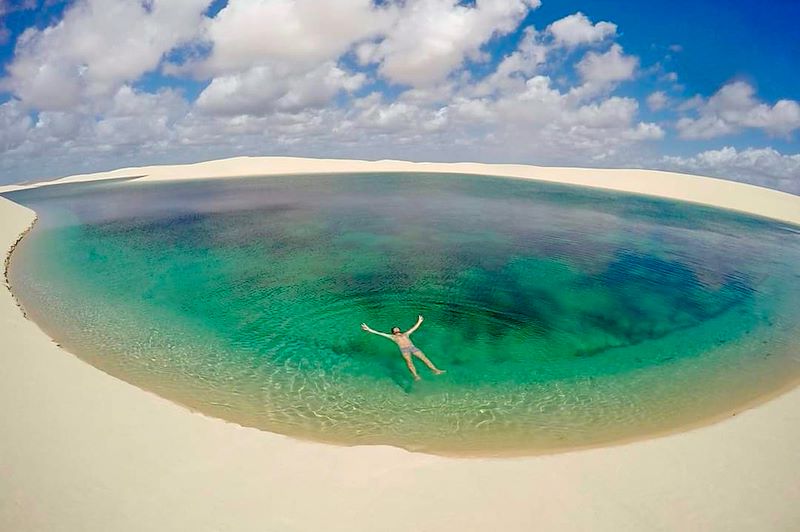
(564, 316)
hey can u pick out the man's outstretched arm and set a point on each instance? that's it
(415, 327)
(366, 327)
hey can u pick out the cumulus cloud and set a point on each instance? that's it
(249, 33)
(269, 92)
(97, 47)
(531, 54)
(599, 71)
(602, 72)
(657, 101)
(431, 38)
(735, 107)
(14, 125)
(608, 67)
(136, 118)
(295, 64)
(264, 89)
(577, 29)
(402, 78)
(130, 118)
(762, 166)
(415, 42)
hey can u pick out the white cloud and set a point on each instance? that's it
(418, 42)
(98, 46)
(281, 79)
(129, 118)
(533, 121)
(414, 42)
(599, 71)
(265, 89)
(122, 130)
(139, 119)
(526, 60)
(609, 67)
(602, 72)
(267, 97)
(14, 125)
(398, 117)
(431, 38)
(735, 107)
(762, 166)
(250, 33)
(577, 29)
(536, 120)
(657, 101)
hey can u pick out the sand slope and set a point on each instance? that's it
(80, 450)
(696, 189)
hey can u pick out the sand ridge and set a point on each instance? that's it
(720, 193)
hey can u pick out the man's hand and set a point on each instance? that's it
(365, 327)
(419, 318)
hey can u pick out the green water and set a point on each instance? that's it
(564, 317)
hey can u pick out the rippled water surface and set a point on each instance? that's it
(564, 316)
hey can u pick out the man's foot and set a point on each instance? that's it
(417, 378)
(438, 371)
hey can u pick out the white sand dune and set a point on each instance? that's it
(83, 451)
(684, 187)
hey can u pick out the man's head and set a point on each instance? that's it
(396, 330)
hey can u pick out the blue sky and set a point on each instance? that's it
(706, 87)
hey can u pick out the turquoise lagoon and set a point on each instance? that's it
(565, 317)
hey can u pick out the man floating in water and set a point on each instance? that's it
(406, 347)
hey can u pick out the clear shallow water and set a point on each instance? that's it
(564, 317)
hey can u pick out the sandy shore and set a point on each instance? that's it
(81, 450)
(704, 190)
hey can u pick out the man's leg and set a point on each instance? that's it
(420, 355)
(410, 365)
